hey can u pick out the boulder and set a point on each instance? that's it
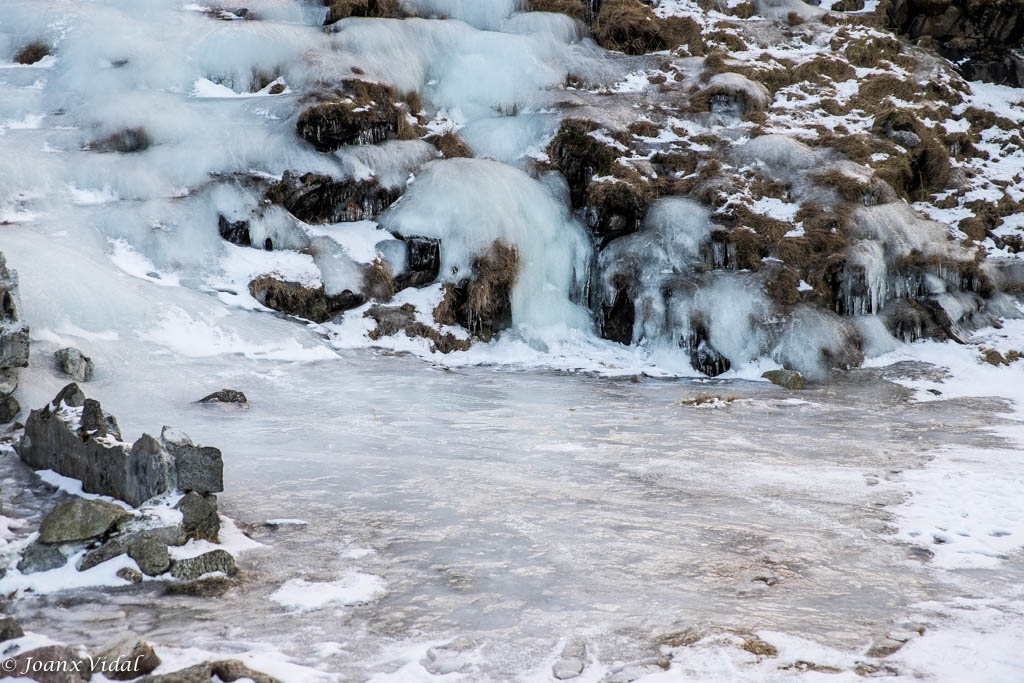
(129, 574)
(422, 262)
(80, 519)
(191, 568)
(199, 516)
(705, 358)
(73, 362)
(124, 657)
(150, 554)
(199, 468)
(236, 232)
(49, 664)
(224, 396)
(9, 409)
(790, 379)
(9, 629)
(200, 673)
(230, 670)
(317, 198)
(14, 341)
(8, 382)
(39, 557)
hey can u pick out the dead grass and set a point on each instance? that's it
(482, 303)
(32, 53)
(378, 283)
(868, 52)
(708, 399)
(875, 91)
(819, 68)
(450, 145)
(630, 26)
(342, 9)
(577, 9)
(579, 156)
(305, 302)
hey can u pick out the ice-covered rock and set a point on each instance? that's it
(14, 340)
(74, 363)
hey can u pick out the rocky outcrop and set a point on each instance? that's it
(13, 332)
(73, 436)
(365, 114)
(422, 262)
(236, 232)
(75, 364)
(316, 198)
(296, 299)
(983, 38)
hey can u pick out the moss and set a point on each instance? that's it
(32, 53)
(450, 145)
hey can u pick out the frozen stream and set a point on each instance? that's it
(507, 511)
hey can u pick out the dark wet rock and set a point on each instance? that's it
(482, 303)
(982, 40)
(705, 358)
(14, 334)
(236, 232)
(620, 317)
(200, 673)
(192, 568)
(394, 319)
(317, 198)
(366, 114)
(296, 299)
(10, 629)
(9, 409)
(66, 666)
(230, 670)
(150, 554)
(73, 362)
(80, 519)
(39, 557)
(124, 141)
(199, 516)
(342, 9)
(129, 574)
(790, 379)
(580, 156)
(616, 208)
(32, 53)
(224, 396)
(422, 262)
(71, 396)
(124, 657)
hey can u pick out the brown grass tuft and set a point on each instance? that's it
(378, 283)
(450, 145)
(342, 9)
(32, 53)
(482, 303)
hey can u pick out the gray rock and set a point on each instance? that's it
(73, 362)
(79, 520)
(192, 568)
(571, 663)
(199, 516)
(200, 673)
(129, 574)
(9, 629)
(230, 670)
(9, 409)
(150, 554)
(125, 657)
(150, 471)
(224, 396)
(70, 667)
(40, 557)
(198, 468)
(14, 341)
(115, 547)
(8, 381)
(71, 396)
(790, 379)
(97, 423)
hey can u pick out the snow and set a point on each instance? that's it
(353, 588)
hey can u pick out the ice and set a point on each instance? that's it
(352, 589)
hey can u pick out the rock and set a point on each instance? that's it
(230, 670)
(8, 382)
(150, 554)
(236, 232)
(125, 657)
(9, 629)
(224, 396)
(199, 516)
(790, 379)
(298, 300)
(50, 664)
(199, 468)
(14, 341)
(39, 557)
(422, 262)
(129, 574)
(705, 358)
(9, 409)
(79, 520)
(192, 568)
(200, 673)
(54, 439)
(366, 116)
(571, 663)
(317, 198)
(124, 141)
(72, 362)
(115, 547)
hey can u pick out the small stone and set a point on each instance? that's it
(71, 396)
(79, 520)
(789, 379)
(39, 557)
(230, 670)
(125, 657)
(224, 396)
(9, 629)
(8, 381)
(199, 516)
(73, 362)
(151, 555)
(115, 547)
(571, 663)
(200, 673)
(9, 409)
(129, 574)
(192, 568)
